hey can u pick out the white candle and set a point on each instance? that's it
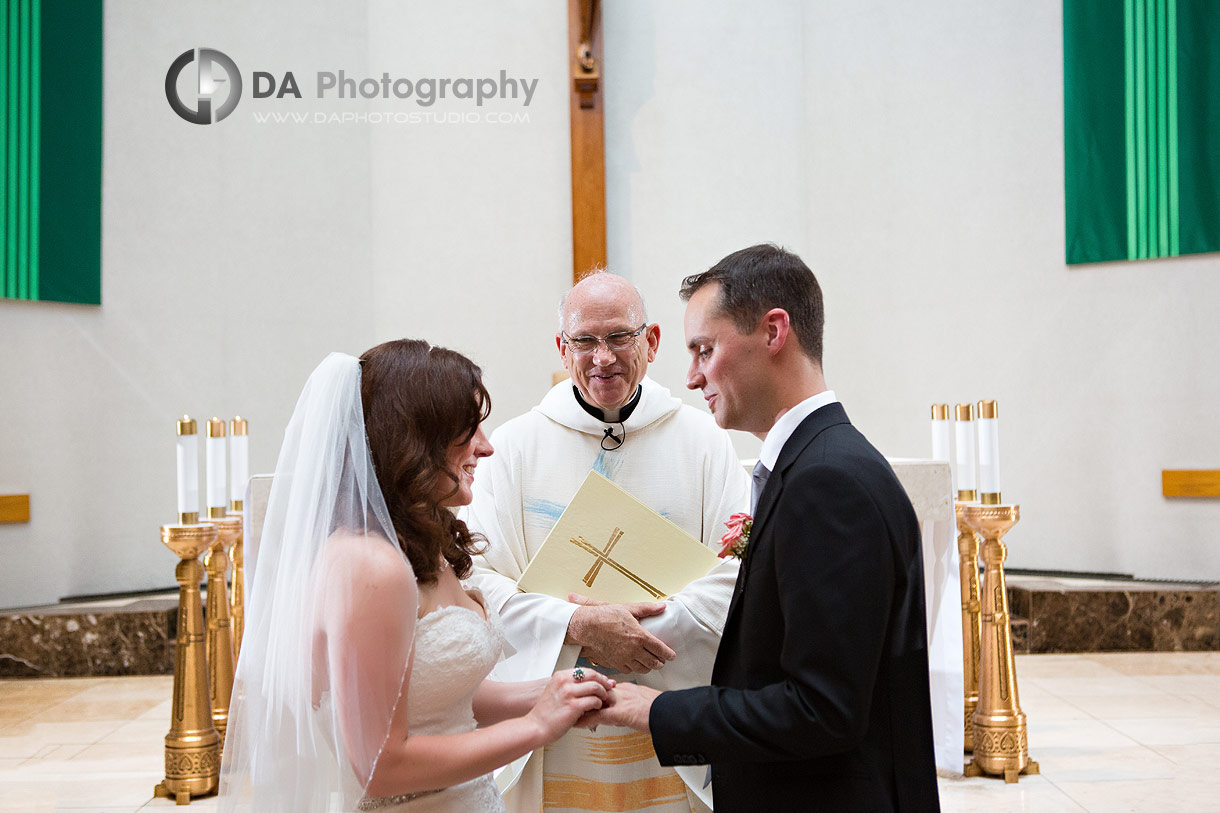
(216, 463)
(989, 447)
(188, 466)
(239, 461)
(940, 432)
(965, 450)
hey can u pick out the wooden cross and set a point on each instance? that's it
(603, 558)
(588, 138)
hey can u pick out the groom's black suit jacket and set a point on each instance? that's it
(819, 697)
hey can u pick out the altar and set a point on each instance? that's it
(928, 484)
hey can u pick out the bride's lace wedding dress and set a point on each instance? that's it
(455, 649)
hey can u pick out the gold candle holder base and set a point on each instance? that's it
(220, 626)
(968, 550)
(192, 746)
(1000, 744)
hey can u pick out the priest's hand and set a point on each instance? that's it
(611, 635)
(629, 705)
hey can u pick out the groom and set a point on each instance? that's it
(819, 694)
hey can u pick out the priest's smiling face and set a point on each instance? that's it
(598, 306)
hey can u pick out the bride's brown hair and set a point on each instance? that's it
(419, 401)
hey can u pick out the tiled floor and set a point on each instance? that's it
(1113, 732)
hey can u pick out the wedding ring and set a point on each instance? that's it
(578, 674)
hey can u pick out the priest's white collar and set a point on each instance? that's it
(787, 424)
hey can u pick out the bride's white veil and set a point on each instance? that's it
(329, 620)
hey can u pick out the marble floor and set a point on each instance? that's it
(1112, 732)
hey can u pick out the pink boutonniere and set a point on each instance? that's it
(737, 538)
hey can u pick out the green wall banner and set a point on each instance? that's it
(1141, 99)
(51, 147)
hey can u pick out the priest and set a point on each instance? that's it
(611, 418)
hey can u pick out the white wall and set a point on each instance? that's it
(222, 247)
(472, 224)
(936, 212)
(910, 152)
(236, 255)
(705, 148)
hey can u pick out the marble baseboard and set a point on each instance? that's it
(132, 637)
(1090, 615)
(1020, 634)
(135, 636)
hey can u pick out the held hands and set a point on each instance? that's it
(628, 705)
(567, 697)
(611, 635)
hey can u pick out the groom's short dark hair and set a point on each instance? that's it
(756, 279)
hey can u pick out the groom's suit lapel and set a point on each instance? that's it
(818, 421)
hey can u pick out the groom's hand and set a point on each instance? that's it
(629, 704)
(611, 635)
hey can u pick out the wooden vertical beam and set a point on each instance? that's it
(588, 137)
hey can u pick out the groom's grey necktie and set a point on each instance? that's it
(761, 473)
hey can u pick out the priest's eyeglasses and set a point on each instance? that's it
(615, 342)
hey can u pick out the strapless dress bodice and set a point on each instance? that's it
(455, 649)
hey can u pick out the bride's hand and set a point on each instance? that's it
(565, 699)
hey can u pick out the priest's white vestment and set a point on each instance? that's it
(678, 462)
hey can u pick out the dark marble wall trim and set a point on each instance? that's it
(138, 638)
(133, 640)
(1119, 620)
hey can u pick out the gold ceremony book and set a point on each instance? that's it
(610, 546)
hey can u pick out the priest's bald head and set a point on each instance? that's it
(605, 340)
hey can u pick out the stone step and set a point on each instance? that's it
(135, 635)
(123, 636)
(1064, 614)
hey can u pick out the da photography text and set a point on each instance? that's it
(204, 86)
(424, 90)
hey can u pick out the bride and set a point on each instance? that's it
(361, 683)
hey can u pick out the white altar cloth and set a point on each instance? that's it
(928, 484)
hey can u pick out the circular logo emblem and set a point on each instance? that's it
(217, 79)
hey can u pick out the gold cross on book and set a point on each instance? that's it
(603, 558)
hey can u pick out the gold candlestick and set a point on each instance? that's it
(1001, 747)
(968, 548)
(192, 746)
(237, 598)
(220, 627)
